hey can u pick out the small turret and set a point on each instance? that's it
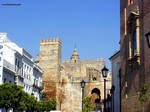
(75, 57)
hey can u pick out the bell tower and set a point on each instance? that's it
(75, 56)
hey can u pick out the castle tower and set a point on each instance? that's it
(49, 60)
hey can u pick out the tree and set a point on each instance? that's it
(87, 105)
(51, 105)
(38, 106)
(10, 95)
(42, 106)
(27, 102)
(13, 96)
(22, 104)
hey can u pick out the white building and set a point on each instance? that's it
(37, 82)
(116, 79)
(17, 66)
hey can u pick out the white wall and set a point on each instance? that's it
(9, 54)
(9, 77)
(37, 75)
(28, 74)
(115, 81)
(1, 62)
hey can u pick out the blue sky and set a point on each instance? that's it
(93, 25)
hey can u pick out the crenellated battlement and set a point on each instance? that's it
(50, 40)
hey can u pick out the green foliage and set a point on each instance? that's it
(51, 105)
(30, 102)
(10, 95)
(87, 105)
(38, 106)
(45, 106)
(143, 95)
(43, 96)
(13, 96)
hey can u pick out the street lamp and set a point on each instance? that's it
(82, 86)
(104, 73)
(148, 38)
(112, 94)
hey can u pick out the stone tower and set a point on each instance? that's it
(49, 60)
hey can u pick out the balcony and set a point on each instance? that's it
(18, 71)
(38, 84)
(35, 83)
(8, 65)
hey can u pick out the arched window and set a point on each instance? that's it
(133, 38)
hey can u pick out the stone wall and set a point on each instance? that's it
(73, 73)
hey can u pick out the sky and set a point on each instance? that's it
(92, 25)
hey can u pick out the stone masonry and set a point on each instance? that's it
(62, 77)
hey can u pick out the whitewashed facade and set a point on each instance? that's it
(115, 64)
(17, 67)
(37, 82)
(27, 64)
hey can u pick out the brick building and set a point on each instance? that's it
(62, 77)
(134, 52)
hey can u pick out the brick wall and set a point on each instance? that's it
(134, 75)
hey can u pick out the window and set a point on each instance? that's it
(4, 80)
(133, 38)
(130, 2)
(134, 44)
(94, 79)
(18, 64)
(22, 70)
(29, 88)
(27, 70)
(16, 61)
